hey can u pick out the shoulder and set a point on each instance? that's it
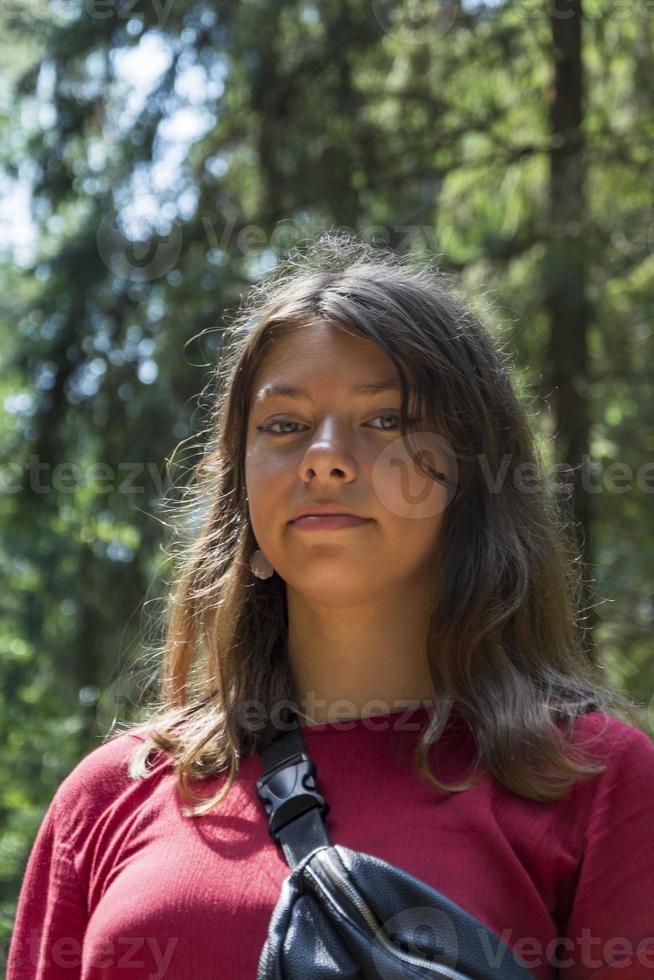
(105, 765)
(610, 893)
(612, 738)
(626, 752)
(99, 778)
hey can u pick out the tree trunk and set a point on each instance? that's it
(569, 311)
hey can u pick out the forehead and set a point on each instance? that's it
(285, 390)
(317, 353)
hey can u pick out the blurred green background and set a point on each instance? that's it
(158, 156)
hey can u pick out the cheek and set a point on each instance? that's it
(418, 534)
(266, 476)
(406, 491)
(268, 491)
(257, 464)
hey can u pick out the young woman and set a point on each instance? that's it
(429, 639)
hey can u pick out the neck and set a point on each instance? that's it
(358, 660)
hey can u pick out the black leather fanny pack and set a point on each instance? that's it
(342, 913)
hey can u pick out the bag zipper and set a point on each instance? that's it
(326, 862)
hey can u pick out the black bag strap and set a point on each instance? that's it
(290, 797)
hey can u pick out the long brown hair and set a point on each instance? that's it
(506, 631)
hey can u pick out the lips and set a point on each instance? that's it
(323, 509)
(327, 513)
(326, 522)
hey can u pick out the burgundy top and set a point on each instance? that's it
(119, 885)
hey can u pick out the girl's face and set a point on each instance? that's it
(339, 446)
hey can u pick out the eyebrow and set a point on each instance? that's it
(289, 391)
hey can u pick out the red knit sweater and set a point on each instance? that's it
(119, 885)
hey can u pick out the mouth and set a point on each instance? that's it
(325, 522)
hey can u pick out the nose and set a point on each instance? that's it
(330, 450)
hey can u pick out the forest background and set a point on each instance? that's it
(158, 156)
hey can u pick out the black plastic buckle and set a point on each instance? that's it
(288, 791)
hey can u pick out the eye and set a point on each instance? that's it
(391, 415)
(387, 415)
(269, 427)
